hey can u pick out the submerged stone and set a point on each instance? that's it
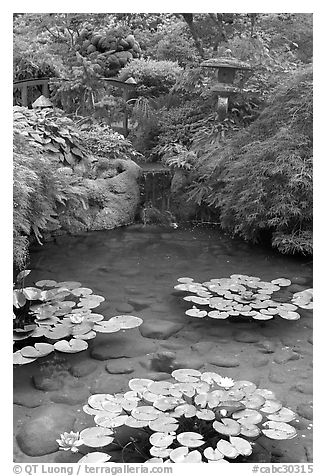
(247, 337)
(38, 435)
(224, 360)
(155, 329)
(81, 369)
(119, 366)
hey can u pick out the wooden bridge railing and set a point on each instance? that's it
(28, 83)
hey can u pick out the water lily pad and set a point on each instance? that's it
(183, 388)
(254, 401)
(96, 437)
(249, 430)
(227, 449)
(88, 303)
(271, 406)
(190, 439)
(155, 460)
(185, 409)
(227, 426)
(139, 384)
(81, 291)
(145, 413)
(289, 315)
(213, 455)
(182, 455)
(285, 414)
(205, 414)
(126, 321)
(58, 332)
(263, 316)
(96, 401)
(108, 421)
(277, 430)
(195, 312)
(95, 457)
(264, 392)
(242, 446)
(162, 440)
(71, 347)
(111, 405)
(160, 388)
(32, 294)
(107, 327)
(186, 375)
(167, 403)
(134, 423)
(185, 280)
(39, 350)
(159, 451)
(164, 424)
(18, 359)
(91, 411)
(80, 329)
(68, 284)
(182, 287)
(218, 315)
(281, 282)
(88, 336)
(248, 416)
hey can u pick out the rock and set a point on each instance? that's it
(28, 398)
(81, 369)
(203, 347)
(246, 337)
(71, 396)
(129, 344)
(267, 347)
(173, 345)
(303, 387)
(163, 361)
(276, 375)
(47, 383)
(155, 329)
(260, 362)
(119, 366)
(109, 384)
(189, 362)
(223, 360)
(38, 435)
(124, 307)
(115, 199)
(285, 355)
(158, 376)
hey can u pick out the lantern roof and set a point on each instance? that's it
(41, 102)
(226, 62)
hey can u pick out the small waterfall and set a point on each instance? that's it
(155, 194)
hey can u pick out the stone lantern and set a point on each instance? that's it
(226, 68)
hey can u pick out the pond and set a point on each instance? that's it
(135, 268)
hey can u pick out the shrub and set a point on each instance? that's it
(260, 179)
(154, 78)
(102, 141)
(43, 189)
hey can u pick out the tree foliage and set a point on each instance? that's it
(260, 179)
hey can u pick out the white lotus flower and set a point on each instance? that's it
(77, 318)
(226, 382)
(69, 441)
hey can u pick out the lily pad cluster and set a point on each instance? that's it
(196, 417)
(239, 296)
(60, 314)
